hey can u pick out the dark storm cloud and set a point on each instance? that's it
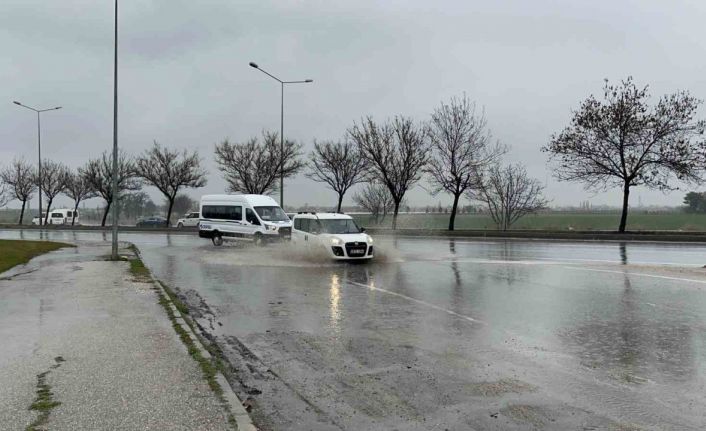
(184, 79)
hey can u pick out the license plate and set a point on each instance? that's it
(357, 251)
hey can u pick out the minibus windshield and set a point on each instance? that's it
(338, 226)
(271, 214)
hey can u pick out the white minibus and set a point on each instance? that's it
(255, 218)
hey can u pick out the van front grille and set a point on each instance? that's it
(356, 249)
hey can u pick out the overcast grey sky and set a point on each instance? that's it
(185, 80)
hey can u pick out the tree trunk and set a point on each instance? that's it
(73, 215)
(454, 208)
(22, 212)
(46, 217)
(169, 211)
(340, 201)
(394, 216)
(624, 216)
(105, 213)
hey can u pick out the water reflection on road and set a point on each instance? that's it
(606, 334)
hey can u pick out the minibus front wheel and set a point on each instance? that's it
(217, 239)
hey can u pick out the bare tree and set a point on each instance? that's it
(5, 195)
(254, 166)
(338, 164)
(99, 175)
(169, 171)
(54, 178)
(376, 198)
(78, 188)
(19, 177)
(396, 152)
(622, 141)
(183, 203)
(461, 147)
(509, 194)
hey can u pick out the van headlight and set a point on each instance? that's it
(336, 241)
(271, 227)
(370, 239)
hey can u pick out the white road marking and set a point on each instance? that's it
(639, 274)
(418, 301)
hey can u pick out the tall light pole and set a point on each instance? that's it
(281, 127)
(116, 201)
(39, 148)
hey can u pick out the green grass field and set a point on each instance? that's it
(17, 252)
(549, 221)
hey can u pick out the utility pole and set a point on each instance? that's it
(116, 200)
(281, 126)
(39, 150)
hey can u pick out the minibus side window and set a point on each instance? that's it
(250, 216)
(223, 212)
(305, 225)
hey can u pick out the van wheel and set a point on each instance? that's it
(258, 240)
(217, 239)
(180, 225)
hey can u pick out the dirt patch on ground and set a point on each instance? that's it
(527, 414)
(624, 427)
(500, 387)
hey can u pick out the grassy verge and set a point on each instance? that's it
(44, 403)
(17, 252)
(209, 366)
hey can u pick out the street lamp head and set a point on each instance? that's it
(309, 80)
(252, 64)
(16, 102)
(58, 107)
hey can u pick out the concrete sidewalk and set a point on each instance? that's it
(102, 346)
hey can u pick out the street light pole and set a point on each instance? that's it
(39, 150)
(281, 126)
(116, 200)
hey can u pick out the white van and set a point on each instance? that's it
(336, 233)
(58, 216)
(255, 218)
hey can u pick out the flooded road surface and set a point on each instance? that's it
(452, 334)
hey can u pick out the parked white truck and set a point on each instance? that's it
(255, 218)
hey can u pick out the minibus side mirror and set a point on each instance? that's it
(362, 229)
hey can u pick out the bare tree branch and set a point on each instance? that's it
(54, 177)
(461, 147)
(509, 194)
(78, 188)
(99, 175)
(169, 171)
(338, 164)
(376, 198)
(254, 166)
(622, 141)
(5, 195)
(19, 177)
(396, 152)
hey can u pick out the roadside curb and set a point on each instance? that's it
(235, 404)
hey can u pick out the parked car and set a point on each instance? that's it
(35, 219)
(153, 221)
(189, 220)
(337, 233)
(255, 218)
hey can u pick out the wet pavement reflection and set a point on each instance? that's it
(452, 333)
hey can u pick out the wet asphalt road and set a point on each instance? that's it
(452, 334)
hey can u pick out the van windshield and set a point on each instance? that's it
(338, 226)
(271, 214)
